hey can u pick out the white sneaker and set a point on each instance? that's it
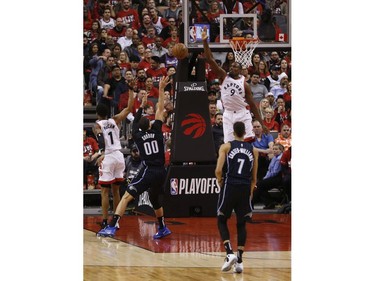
(228, 262)
(238, 267)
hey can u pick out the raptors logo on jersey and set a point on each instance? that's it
(233, 93)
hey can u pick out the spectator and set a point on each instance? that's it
(275, 59)
(213, 14)
(166, 31)
(116, 50)
(259, 91)
(127, 40)
(113, 88)
(245, 73)
(235, 7)
(146, 23)
(123, 62)
(281, 88)
(263, 143)
(101, 40)
(263, 72)
(171, 70)
(87, 19)
(134, 62)
(167, 126)
(172, 10)
(155, 71)
(281, 114)
(212, 98)
(269, 121)
(285, 136)
(272, 179)
(118, 31)
(157, 21)
(104, 74)
(158, 49)
(271, 100)
(285, 68)
(286, 170)
(138, 100)
(229, 59)
(92, 52)
(212, 109)
(90, 155)
(263, 105)
(215, 86)
(132, 50)
(146, 61)
(141, 51)
(168, 59)
(106, 21)
(217, 131)
(255, 60)
(288, 97)
(273, 79)
(141, 79)
(97, 63)
(172, 38)
(149, 40)
(151, 90)
(94, 32)
(129, 16)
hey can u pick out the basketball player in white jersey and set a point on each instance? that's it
(111, 163)
(236, 96)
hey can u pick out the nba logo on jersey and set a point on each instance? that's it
(174, 186)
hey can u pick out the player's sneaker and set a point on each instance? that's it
(108, 231)
(162, 232)
(102, 224)
(230, 259)
(238, 267)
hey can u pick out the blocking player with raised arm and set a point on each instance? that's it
(236, 170)
(150, 143)
(111, 163)
(236, 96)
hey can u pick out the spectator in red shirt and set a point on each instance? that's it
(90, 155)
(146, 61)
(155, 71)
(129, 16)
(151, 90)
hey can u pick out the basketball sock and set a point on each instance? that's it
(114, 220)
(239, 256)
(161, 222)
(228, 248)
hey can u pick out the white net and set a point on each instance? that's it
(243, 50)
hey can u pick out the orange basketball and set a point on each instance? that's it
(180, 51)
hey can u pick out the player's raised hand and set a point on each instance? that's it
(164, 81)
(204, 33)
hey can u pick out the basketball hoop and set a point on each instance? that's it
(243, 49)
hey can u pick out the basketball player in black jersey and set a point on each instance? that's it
(239, 161)
(150, 143)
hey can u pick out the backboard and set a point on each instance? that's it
(261, 18)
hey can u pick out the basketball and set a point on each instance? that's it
(180, 51)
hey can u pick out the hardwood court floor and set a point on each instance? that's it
(193, 251)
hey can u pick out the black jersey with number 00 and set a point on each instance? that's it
(150, 144)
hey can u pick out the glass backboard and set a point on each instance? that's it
(268, 20)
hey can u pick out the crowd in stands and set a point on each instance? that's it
(124, 39)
